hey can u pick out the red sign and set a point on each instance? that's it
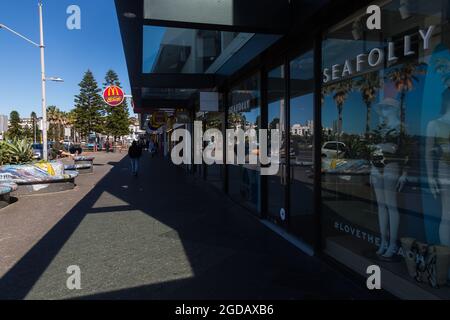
(113, 96)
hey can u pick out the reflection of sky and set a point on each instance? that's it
(252, 115)
(153, 37)
(338, 50)
(274, 111)
(302, 109)
(422, 104)
(354, 111)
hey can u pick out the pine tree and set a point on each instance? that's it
(27, 133)
(88, 112)
(117, 119)
(15, 130)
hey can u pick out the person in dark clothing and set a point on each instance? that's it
(107, 146)
(135, 153)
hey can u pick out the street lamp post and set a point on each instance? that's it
(44, 96)
(41, 46)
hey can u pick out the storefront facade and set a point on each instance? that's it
(364, 117)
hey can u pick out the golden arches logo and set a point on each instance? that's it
(113, 96)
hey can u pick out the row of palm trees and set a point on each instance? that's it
(368, 85)
(58, 120)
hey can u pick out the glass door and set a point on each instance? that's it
(302, 147)
(276, 119)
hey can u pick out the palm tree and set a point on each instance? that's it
(369, 84)
(63, 121)
(403, 79)
(53, 117)
(71, 119)
(33, 117)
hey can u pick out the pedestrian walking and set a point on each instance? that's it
(107, 145)
(135, 153)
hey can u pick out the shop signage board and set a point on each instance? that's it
(113, 96)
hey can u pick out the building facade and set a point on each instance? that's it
(364, 117)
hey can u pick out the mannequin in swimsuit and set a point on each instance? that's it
(388, 176)
(438, 157)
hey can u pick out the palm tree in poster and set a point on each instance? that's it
(404, 79)
(369, 84)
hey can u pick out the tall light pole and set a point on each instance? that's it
(44, 96)
(41, 46)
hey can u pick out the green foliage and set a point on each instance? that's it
(89, 107)
(35, 132)
(15, 130)
(57, 120)
(358, 148)
(15, 152)
(117, 120)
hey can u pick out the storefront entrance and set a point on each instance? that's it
(290, 108)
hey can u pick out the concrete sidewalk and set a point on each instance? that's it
(161, 235)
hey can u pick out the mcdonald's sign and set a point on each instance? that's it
(113, 96)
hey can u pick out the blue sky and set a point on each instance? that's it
(69, 53)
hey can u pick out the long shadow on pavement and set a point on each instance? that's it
(164, 235)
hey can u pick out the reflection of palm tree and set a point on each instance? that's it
(369, 84)
(341, 91)
(403, 79)
(235, 119)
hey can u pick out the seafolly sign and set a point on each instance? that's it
(243, 106)
(376, 57)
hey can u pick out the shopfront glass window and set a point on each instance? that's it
(276, 112)
(244, 112)
(215, 172)
(386, 144)
(178, 50)
(301, 147)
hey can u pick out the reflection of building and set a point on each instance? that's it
(303, 130)
(211, 50)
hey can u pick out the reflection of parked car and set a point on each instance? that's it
(334, 149)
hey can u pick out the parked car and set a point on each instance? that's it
(38, 150)
(334, 149)
(90, 146)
